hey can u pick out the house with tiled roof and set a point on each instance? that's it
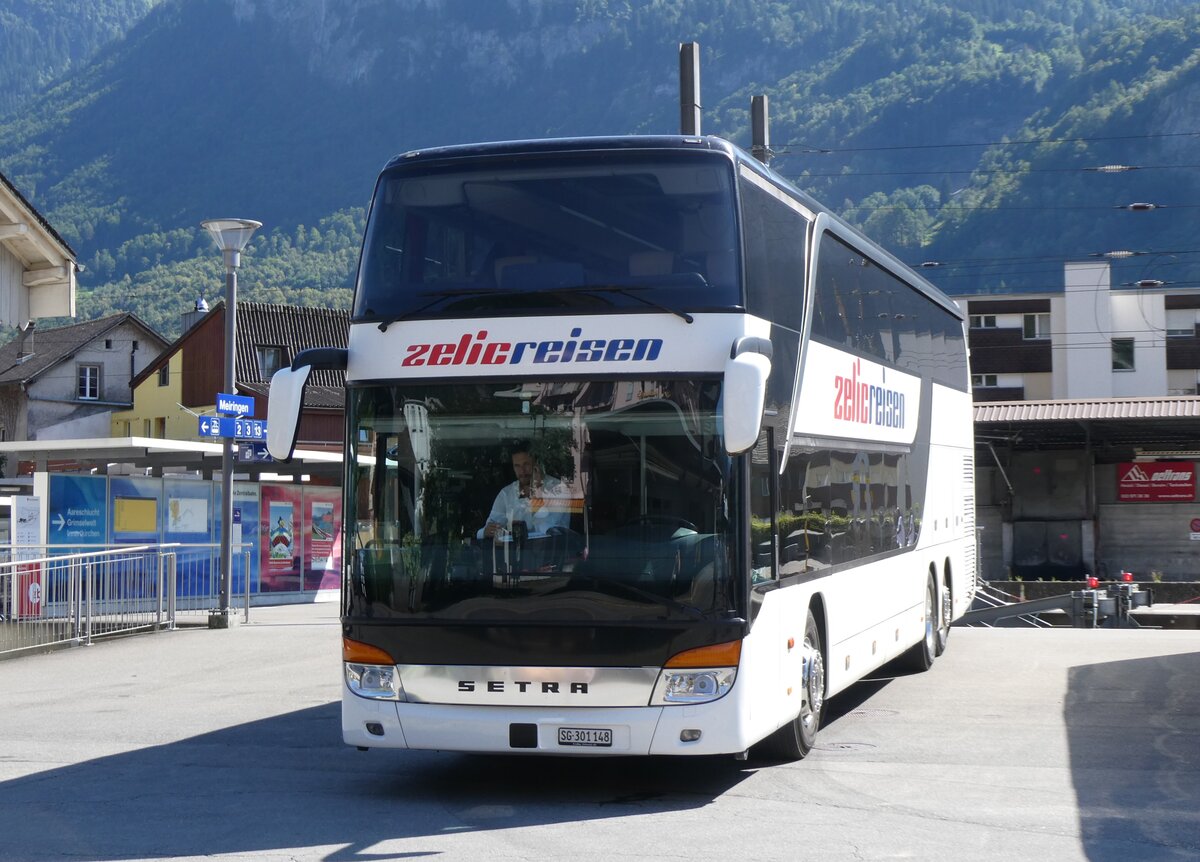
(65, 382)
(37, 267)
(182, 384)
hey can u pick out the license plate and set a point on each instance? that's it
(593, 736)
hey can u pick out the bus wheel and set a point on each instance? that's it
(795, 739)
(946, 608)
(920, 657)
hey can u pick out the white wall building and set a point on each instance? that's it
(1089, 341)
(1077, 395)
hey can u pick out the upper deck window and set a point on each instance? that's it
(560, 233)
(861, 306)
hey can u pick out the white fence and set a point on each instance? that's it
(49, 599)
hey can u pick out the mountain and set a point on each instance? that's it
(963, 134)
(42, 40)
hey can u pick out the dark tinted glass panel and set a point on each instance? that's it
(773, 236)
(839, 506)
(551, 234)
(863, 307)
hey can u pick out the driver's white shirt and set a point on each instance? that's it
(547, 506)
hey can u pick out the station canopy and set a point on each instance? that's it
(164, 456)
(1122, 426)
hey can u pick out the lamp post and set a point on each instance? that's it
(231, 236)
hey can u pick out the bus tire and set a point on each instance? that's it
(945, 612)
(919, 657)
(795, 739)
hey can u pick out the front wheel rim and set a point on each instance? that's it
(814, 688)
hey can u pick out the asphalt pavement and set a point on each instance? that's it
(225, 744)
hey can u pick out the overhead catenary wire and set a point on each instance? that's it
(803, 148)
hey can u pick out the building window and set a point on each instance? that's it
(164, 375)
(87, 384)
(1122, 354)
(108, 344)
(270, 360)
(1037, 326)
(983, 321)
(160, 427)
(984, 381)
(1181, 323)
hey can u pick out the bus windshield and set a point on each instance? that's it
(579, 232)
(563, 502)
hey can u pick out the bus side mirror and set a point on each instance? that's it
(745, 392)
(286, 398)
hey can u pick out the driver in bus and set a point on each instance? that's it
(529, 507)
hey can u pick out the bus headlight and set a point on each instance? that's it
(699, 675)
(378, 681)
(694, 685)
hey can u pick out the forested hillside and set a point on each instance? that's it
(964, 133)
(42, 40)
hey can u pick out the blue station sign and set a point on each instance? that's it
(235, 405)
(253, 452)
(231, 428)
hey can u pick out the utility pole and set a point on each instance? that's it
(689, 88)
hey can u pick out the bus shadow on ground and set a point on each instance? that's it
(1134, 739)
(289, 783)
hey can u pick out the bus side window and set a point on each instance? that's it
(762, 508)
(774, 240)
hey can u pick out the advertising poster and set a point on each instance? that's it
(27, 526)
(1156, 482)
(245, 511)
(188, 520)
(135, 505)
(26, 540)
(323, 552)
(76, 520)
(279, 569)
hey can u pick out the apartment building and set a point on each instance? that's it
(1088, 429)
(1089, 341)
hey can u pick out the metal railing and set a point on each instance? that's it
(50, 599)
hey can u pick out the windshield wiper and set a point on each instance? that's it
(627, 290)
(438, 296)
(630, 589)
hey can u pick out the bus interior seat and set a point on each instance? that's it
(382, 573)
(650, 263)
(530, 273)
(668, 568)
(503, 264)
(701, 590)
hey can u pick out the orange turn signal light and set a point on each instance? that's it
(714, 655)
(361, 653)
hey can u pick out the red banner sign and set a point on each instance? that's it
(1156, 482)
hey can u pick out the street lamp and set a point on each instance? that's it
(231, 236)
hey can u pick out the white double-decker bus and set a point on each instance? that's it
(647, 452)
